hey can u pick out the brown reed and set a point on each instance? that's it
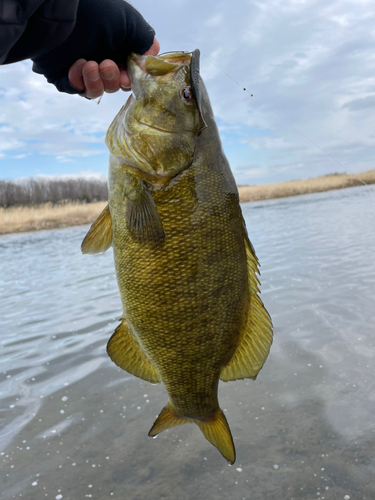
(49, 216)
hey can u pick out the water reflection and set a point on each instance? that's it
(75, 426)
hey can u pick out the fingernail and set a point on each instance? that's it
(92, 76)
(126, 89)
(109, 74)
(79, 68)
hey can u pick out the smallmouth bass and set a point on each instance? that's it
(186, 269)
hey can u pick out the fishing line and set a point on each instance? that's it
(290, 124)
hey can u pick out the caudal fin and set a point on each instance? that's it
(216, 430)
(166, 419)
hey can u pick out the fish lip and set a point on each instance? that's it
(137, 60)
(136, 65)
(136, 68)
(174, 53)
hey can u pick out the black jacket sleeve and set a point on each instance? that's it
(96, 30)
(33, 27)
(105, 29)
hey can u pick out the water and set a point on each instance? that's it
(74, 426)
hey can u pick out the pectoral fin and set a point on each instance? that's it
(142, 216)
(256, 337)
(99, 237)
(126, 353)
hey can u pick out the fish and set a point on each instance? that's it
(186, 269)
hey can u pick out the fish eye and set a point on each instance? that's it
(187, 95)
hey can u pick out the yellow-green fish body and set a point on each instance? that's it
(185, 267)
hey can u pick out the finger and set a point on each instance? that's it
(75, 75)
(125, 82)
(93, 83)
(110, 74)
(154, 49)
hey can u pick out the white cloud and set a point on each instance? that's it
(273, 143)
(215, 20)
(20, 157)
(49, 122)
(310, 65)
(9, 143)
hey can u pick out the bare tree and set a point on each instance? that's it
(35, 191)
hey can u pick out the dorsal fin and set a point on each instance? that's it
(256, 337)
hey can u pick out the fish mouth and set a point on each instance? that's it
(154, 67)
(136, 69)
(141, 69)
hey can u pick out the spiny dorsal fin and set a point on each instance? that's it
(143, 218)
(126, 353)
(256, 337)
(99, 237)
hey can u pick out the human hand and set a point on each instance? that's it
(94, 79)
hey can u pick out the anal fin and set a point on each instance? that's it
(126, 353)
(99, 237)
(256, 337)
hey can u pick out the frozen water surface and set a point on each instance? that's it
(74, 426)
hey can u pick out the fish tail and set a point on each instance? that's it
(167, 418)
(215, 429)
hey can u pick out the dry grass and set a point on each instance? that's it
(49, 216)
(293, 188)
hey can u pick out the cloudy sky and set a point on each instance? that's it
(309, 63)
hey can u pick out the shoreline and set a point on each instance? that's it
(48, 216)
(295, 188)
